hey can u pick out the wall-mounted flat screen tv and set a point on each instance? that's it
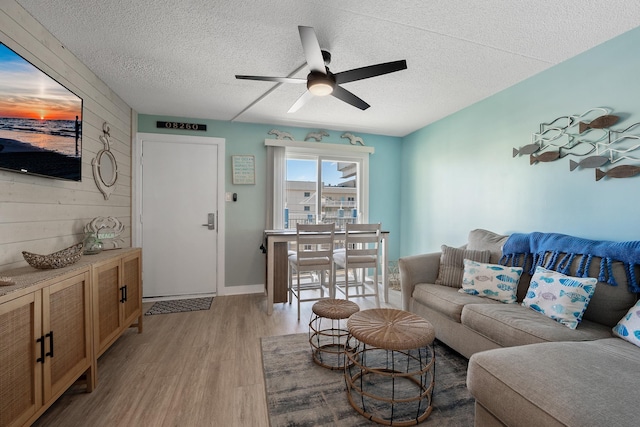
(40, 121)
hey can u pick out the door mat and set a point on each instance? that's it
(180, 305)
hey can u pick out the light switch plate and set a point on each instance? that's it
(227, 197)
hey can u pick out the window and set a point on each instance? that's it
(334, 182)
(317, 183)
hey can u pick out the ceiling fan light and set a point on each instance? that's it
(321, 89)
(320, 85)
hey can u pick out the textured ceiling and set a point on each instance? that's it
(179, 57)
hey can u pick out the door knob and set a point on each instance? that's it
(211, 221)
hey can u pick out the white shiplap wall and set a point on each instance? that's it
(44, 215)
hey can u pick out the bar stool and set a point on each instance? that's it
(360, 252)
(313, 254)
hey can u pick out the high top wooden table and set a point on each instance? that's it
(276, 244)
(390, 375)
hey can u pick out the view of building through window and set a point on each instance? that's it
(334, 200)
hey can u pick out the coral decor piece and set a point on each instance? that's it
(107, 230)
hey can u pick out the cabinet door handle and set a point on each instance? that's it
(122, 291)
(126, 293)
(50, 336)
(41, 358)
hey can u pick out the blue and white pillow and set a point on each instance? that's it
(560, 297)
(493, 281)
(628, 328)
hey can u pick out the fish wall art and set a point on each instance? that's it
(588, 138)
(622, 171)
(600, 123)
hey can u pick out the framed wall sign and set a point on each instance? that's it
(244, 169)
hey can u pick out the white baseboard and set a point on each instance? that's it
(243, 290)
(227, 290)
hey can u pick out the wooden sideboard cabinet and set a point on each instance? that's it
(54, 324)
(45, 346)
(117, 298)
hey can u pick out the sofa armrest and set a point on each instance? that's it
(415, 269)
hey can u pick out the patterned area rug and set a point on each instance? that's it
(301, 393)
(180, 305)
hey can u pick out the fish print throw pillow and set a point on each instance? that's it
(493, 281)
(628, 328)
(560, 297)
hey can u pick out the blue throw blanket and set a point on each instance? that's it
(521, 250)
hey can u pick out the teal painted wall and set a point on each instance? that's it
(458, 174)
(245, 219)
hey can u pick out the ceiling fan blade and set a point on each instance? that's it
(304, 98)
(272, 79)
(346, 96)
(370, 71)
(311, 47)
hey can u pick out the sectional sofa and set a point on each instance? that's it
(528, 366)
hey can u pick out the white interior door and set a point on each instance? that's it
(179, 215)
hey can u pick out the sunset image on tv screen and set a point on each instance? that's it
(40, 121)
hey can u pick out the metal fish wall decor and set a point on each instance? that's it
(587, 136)
(527, 149)
(622, 171)
(548, 156)
(599, 123)
(589, 162)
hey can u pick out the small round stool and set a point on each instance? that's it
(390, 372)
(328, 345)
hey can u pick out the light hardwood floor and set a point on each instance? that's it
(200, 368)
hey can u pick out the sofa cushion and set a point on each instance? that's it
(511, 324)
(480, 240)
(609, 303)
(451, 266)
(566, 384)
(446, 300)
(493, 281)
(628, 328)
(560, 297)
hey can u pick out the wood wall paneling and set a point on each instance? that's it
(44, 215)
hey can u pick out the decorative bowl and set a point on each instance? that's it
(62, 258)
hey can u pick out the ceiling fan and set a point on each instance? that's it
(321, 81)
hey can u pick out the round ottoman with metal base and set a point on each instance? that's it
(327, 331)
(390, 371)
